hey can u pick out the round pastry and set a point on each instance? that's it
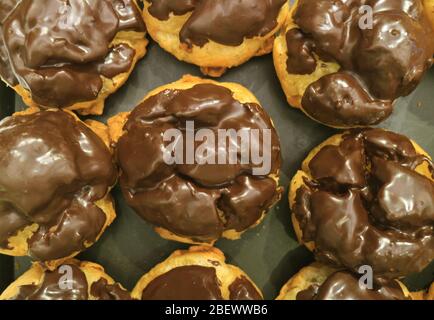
(69, 54)
(73, 280)
(199, 273)
(320, 282)
(345, 63)
(184, 159)
(366, 197)
(215, 34)
(55, 176)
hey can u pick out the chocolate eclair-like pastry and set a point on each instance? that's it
(319, 282)
(69, 54)
(215, 34)
(344, 63)
(199, 273)
(366, 197)
(201, 194)
(73, 280)
(55, 175)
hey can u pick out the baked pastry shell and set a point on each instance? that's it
(195, 256)
(213, 58)
(35, 276)
(18, 242)
(240, 93)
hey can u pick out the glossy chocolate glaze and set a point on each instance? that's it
(192, 200)
(161, 9)
(52, 170)
(301, 58)
(343, 285)
(226, 22)
(343, 100)
(378, 63)
(184, 283)
(104, 291)
(6, 72)
(58, 50)
(367, 206)
(243, 289)
(54, 286)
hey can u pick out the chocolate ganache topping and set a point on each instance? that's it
(52, 170)
(54, 287)
(199, 201)
(343, 285)
(379, 62)
(366, 205)
(51, 287)
(6, 72)
(185, 283)
(59, 50)
(104, 291)
(196, 283)
(243, 289)
(226, 22)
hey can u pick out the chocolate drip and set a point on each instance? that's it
(56, 286)
(104, 291)
(58, 50)
(339, 99)
(343, 285)
(223, 21)
(6, 72)
(243, 289)
(11, 221)
(301, 59)
(367, 205)
(195, 200)
(161, 9)
(52, 170)
(185, 283)
(379, 63)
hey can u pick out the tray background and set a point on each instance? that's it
(268, 253)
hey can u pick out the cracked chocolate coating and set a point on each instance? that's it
(223, 21)
(192, 200)
(378, 64)
(58, 50)
(52, 170)
(366, 205)
(343, 285)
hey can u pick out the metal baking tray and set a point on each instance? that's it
(268, 253)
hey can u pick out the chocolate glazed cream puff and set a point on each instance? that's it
(55, 176)
(199, 273)
(200, 201)
(69, 54)
(320, 282)
(73, 280)
(366, 197)
(215, 34)
(346, 70)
